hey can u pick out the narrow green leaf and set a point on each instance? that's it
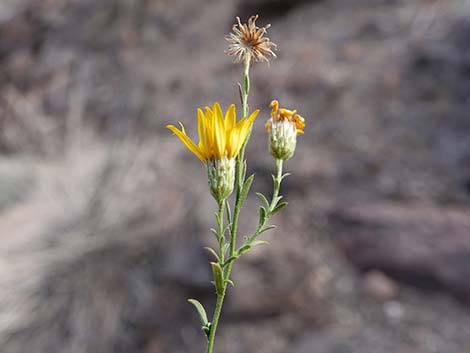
(246, 188)
(228, 211)
(229, 281)
(225, 248)
(243, 249)
(279, 207)
(264, 199)
(213, 252)
(227, 228)
(207, 329)
(259, 242)
(266, 229)
(284, 176)
(262, 216)
(215, 233)
(218, 278)
(242, 171)
(230, 260)
(200, 311)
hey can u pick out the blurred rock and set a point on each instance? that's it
(394, 311)
(423, 245)
(320, 342)
(379, 286)
(269, 8)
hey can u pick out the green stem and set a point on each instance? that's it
(240, 161)
(277, 184)
(240, 179)
(215, 321)
(221, 235)
(273, 203)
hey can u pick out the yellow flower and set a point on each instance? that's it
(219, 136)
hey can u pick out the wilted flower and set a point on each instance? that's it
(247, 40)
(220, 141)
(283, 127)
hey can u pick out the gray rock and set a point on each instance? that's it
(420, 244)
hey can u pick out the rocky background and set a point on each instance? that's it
(104, 214)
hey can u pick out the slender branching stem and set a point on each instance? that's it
(220, 232)
(240, 179)
(277, 185)
(215, 321)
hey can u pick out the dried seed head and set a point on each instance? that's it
(247, 40)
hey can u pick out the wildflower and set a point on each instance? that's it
(220, 140)
(247, 41)
(283, 127)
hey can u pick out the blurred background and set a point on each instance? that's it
(104, 214)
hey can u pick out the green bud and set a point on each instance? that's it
(221, 177)
(282, 139)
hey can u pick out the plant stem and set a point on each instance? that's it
(240, 179)
(215, 321)
(221, 235)
(277, 184)
(273, 203)
(240, 160)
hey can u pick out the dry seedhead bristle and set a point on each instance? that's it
(246, 40)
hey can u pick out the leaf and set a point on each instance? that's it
(279, 207)
(227, 229)
(213, 252)
(217, 217)
(229, 281)
(262, 216)
(201, 311)
(229, 260)
(246, 188)
(284, 176)
(228, 211)
(225, 248)
(242, 172)
(218, 278)
(243, 249)
(215, 233)
(266, 229)
(207, 329)
(264, 199)
(259, 242)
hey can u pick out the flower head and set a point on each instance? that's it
(282, 114)
(219, 135)
(220, 139)
(283, 127)
(247, 40)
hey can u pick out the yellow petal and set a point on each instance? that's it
(202, 132)
(187, 141)
(230, 118)
(219, 131)
(233, 143)
(247, 125)
(210, 131)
